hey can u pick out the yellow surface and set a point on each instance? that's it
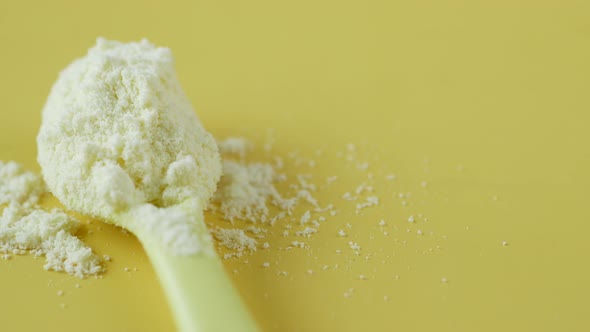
(499, 90)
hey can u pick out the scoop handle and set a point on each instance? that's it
(199, 292)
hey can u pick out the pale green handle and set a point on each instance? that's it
(201, 296)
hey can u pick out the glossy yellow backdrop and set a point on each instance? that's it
(486, 101)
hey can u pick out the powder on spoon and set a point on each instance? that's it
(119, 135)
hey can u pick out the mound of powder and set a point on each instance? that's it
(24, 227)
(120, 136)
(119, 131)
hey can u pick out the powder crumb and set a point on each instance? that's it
(78, 286)
(19, 186)
(60, 293)
(322, 219)
(386, 298)
(126, 269)
(255, 230)
(265, 245)
(504, 243)
(354, 246)
(307, 197)
(305, 218)
(362, 166)
(283, 273)
(362, 277)
(265, 264)
(369, 201)
(348, 196)
(106, 258)
(307, 232)
(235, 239)
(419, 232)
(382, 223)
(63, 305)
(331, 179)
(390, 177)
(444, 280)
(234, 145)
(325, 267)
(411, 219)
(298, 244)
(341, 233)
(349, 293)
(424, 184)
(309, 271)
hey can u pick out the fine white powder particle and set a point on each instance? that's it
(25, 227)
(118, 133)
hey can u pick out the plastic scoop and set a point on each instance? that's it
(120, 141)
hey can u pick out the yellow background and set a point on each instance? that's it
(499, 88)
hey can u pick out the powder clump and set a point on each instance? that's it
(244, 190)
(236, 240)
(25, 227)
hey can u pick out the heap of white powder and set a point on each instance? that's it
(24, 227)
(120, 136)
